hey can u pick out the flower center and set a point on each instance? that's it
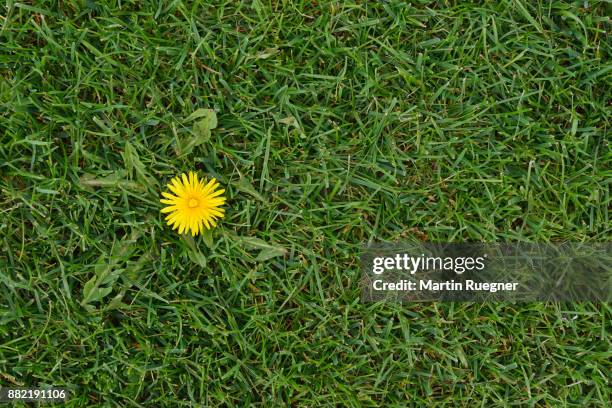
(193, 203)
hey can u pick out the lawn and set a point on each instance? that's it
(338, 125)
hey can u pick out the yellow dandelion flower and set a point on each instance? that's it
(195, 204)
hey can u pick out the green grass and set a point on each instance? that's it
(338, 125)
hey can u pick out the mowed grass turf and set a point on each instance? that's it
(338, 125)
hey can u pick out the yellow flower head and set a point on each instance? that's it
(195, 205)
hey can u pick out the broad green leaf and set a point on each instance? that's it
(267, 53)
(194, 253)
(88, 288)
(101, 293)
(207, 237)
(108, 270)
(203, 113)
(130, 158)
(115, 302)
(135, 167)
(255, 243)
(289, 121)
(46, 191)
(245, 186)
(268, 253)
(114, 180)
(201, 130)
(267, 250)
(110, 277)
